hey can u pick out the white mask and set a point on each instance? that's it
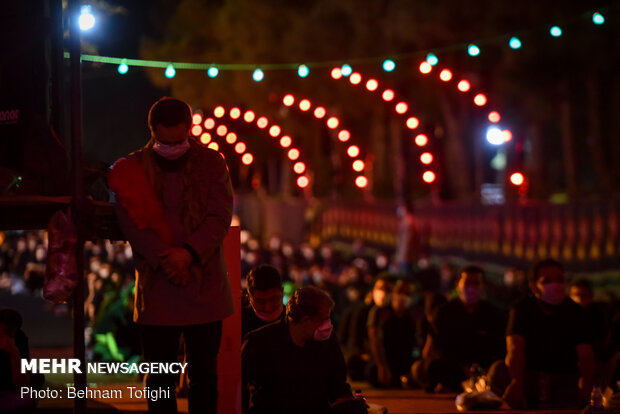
(323, 332)
(171, 152)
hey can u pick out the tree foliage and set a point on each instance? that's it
(528, 85)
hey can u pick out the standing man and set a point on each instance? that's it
(174, 205)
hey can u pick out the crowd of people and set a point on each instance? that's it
(432, 327)
(540, 340)
(109, 289)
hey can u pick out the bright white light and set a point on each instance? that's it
(495, 136)
(86, 19)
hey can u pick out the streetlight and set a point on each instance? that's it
(86, 19)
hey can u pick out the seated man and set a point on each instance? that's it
(550, 357)
(392, 336)
(296, 366)
(465, 332)
(582, 293)
(264, 297)
(355, 339)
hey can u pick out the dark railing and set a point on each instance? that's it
(583, 235)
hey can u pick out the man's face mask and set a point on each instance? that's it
(171, 151)
(551, 285)
(324, 331)
(470, 295)
(553, 293)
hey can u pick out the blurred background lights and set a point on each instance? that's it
(388, 65)
(346, 70)
(196, 119)
(555, 31)
(425, 67)
(507, 135)
(480, 99)
(463, 86)
(355, 78)
(293, 154)
(299, 167)
(401, 108)
(494, 117)
(421, 140)
(426, 158)
(196, 130)
(170, 72)
(288, 100)
(473, 50)
(123, 68)
(275, 130)
(358, 165)
(209, 123)
(517, 178)
(248, 116)
(285, 141)
(86, 21)
(353, 151)
(214, 146)
(336, 73)
(303, 181)
(219, 111)
(413, 122)
(333, 122)
(319, 112)
(262, 122)
(432, 59)
(598, 18)
(205, 138)
(445, 75)
(221, 130)
(303, 71)
(361, 181)
(372, 85)
(344, 135)
(428, 177)
(495, 136)
(304, 105)
(212, 72)
(247, 158)
(388, 95)
(235, 113)
(240, 148)
(514, 43)
(258, 75)
(231, 138)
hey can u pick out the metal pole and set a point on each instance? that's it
(79, 404)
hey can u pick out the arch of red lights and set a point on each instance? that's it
(333, 123)
(261, 122)
(464, 86)
(206, 138)
(412, 122)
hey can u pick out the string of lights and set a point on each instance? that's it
(388, 63)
